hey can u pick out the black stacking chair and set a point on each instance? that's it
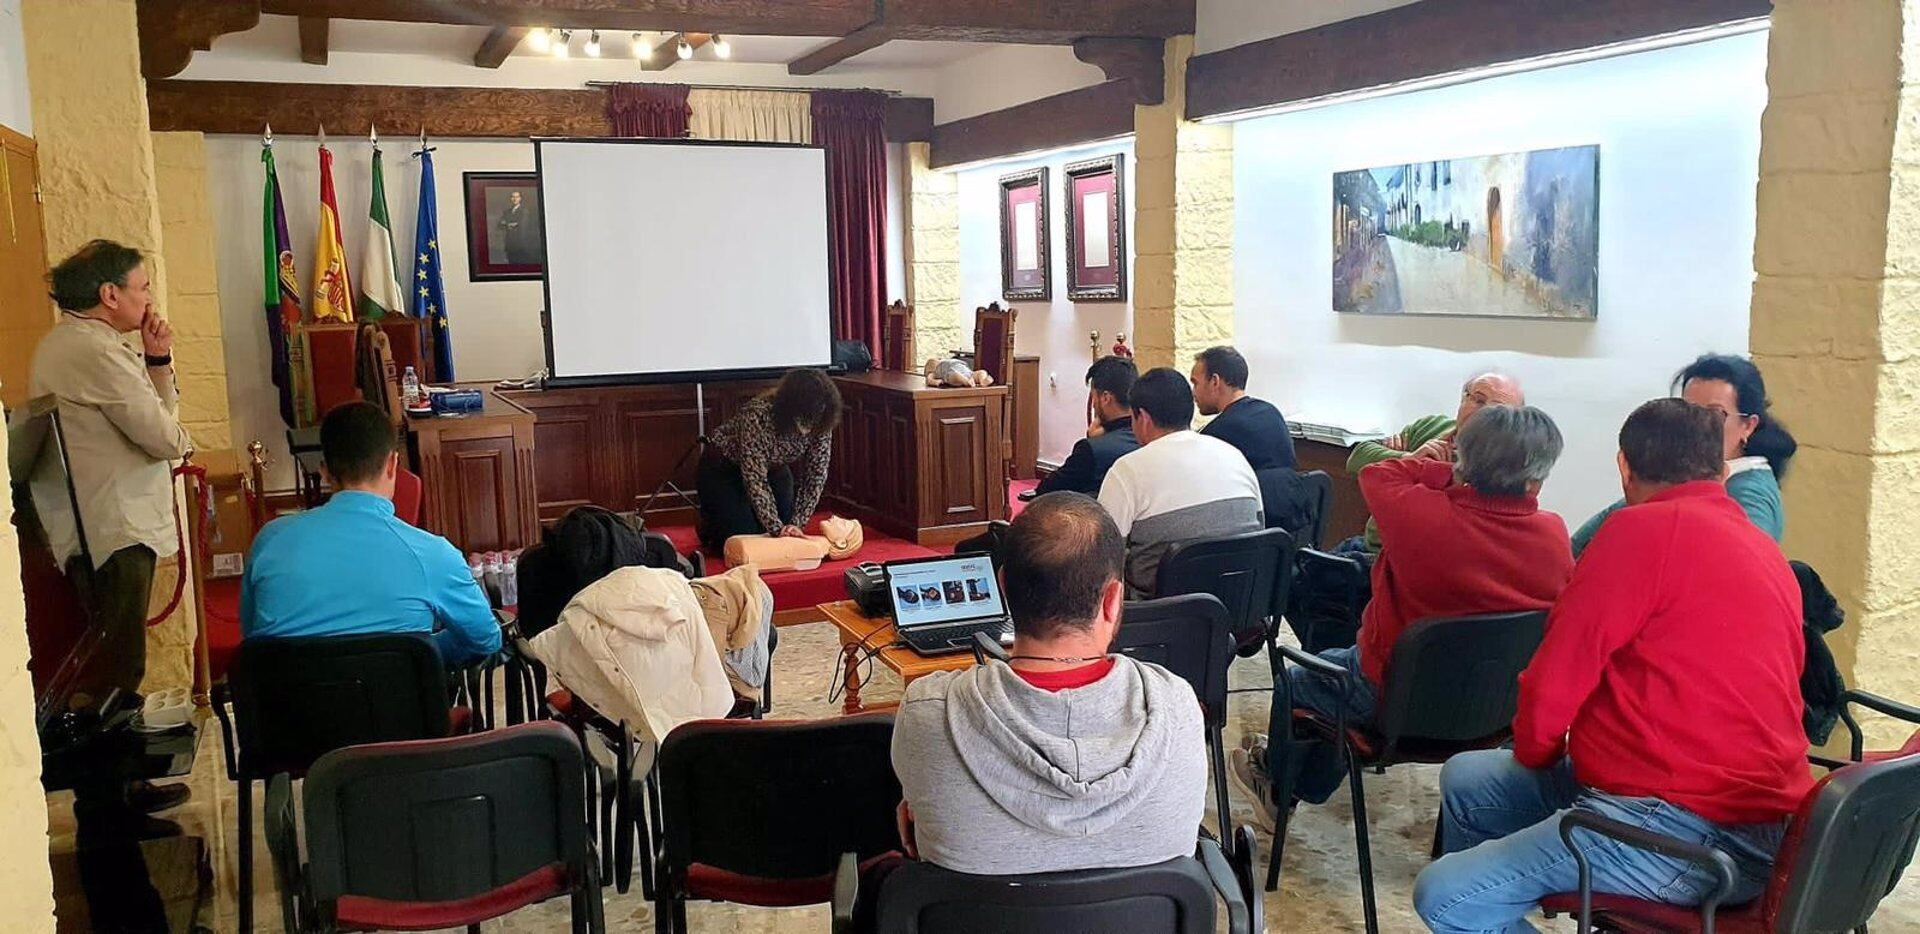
(438, 833)
(295, 700)
(1175, 897)
(1327, 594)
(1297, 502)
(1247, 572)
(1452, 686)
(795, 795)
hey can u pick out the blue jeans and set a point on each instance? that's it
(1315, 767)
(1501, 832)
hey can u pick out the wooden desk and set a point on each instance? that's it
(478, 474)
(920, 463)
(860, 632)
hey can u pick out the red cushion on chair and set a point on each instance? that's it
(359, 913)
(408, 493)
(459, 720)
(1911, 747)
(1633, 916)
(715, 884)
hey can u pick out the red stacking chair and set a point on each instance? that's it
(409, 494)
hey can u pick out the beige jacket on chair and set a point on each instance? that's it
(635, 646)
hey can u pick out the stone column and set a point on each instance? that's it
(933, 257)
(1836, 314)
(26, 880)
(193, 288)
(97, 179)
(1183, 226)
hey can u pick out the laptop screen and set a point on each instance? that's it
(944, 590)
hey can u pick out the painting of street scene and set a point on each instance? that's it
(1512, 235)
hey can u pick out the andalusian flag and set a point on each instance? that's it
(332, 292)
(380, 293)
(429, 292)
(281, 288)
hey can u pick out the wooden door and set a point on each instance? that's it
(25, 311)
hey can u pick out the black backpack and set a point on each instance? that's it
(588, 543)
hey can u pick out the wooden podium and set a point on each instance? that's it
(478, 473)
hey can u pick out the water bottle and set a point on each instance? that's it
(510, 579)
(492, 575)
(410, 389)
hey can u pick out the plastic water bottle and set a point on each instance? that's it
(477, 565)
(510, 579)
(492, 569)
(410, 389)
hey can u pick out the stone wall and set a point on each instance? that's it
(933, 257)
(1836, 315)
(1183, 226)
(192, 301)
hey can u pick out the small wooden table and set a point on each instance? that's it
(860, 632)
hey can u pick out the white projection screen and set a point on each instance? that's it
(679, 260)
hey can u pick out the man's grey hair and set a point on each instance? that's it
(1503, 449)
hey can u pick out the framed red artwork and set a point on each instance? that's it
(1096, 229)
(1023, 236)
(505, 239)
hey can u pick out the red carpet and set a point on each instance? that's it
(792, 590)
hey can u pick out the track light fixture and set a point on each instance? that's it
(562, 46)
(720, 46)
(593, 44)
(540, 40)
(683, 48)
(642, 49)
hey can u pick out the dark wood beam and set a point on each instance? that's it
(349, 110)
(909, 119)
(313, 39)
(746, 17)
(666, 54)
(1434, 37)
(1042, 21)
(1103, 111)
(1138, 60)
(172, 30)
(870, 36)
(499, 43)
(244, 107)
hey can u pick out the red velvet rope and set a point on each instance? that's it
(199, 474)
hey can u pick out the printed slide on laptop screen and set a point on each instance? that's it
(945, 591)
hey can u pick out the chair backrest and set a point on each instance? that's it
(778, 799)
(1295, 501)
(896, 339)
(1242, 570)
(1320, 490)
(993, 342)
(1186, 635)
(1458, 679)
(333, 356)
(1173, 897)
(296, 699)
(447, 819)
(1848, 846)
(409, 495)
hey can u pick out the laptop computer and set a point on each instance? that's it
(939, 603)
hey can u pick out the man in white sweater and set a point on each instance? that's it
(1179, 486)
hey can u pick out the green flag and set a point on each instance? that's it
(379, 285)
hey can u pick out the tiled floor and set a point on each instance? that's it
(1320, 891)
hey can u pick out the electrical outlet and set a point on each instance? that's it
(230, 564)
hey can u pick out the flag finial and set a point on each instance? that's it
(323, 136)
(373, 136)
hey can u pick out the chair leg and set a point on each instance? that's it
(679, 916)
(1360, 842)
(245, 882)
(1283, 796)
(1216, 743)
(473, 929)
(1439, 825)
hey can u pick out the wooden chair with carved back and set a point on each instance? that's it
(993, 352)
(896, 339)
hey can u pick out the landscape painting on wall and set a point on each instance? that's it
(1511, 236)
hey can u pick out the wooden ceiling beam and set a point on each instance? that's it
(499, 43)
(172, 30)
(666, 54)
(745, 17)
(870, 36)
(313, 39)
(1056, 22)
(1103, 111)
(1139, 61)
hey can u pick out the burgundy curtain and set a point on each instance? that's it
(850, 125)
(648, 109)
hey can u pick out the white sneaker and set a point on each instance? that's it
(1249, 767)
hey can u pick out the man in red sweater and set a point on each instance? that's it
(1666, 695)
(1461, 538)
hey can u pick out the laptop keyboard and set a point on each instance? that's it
(951, 637)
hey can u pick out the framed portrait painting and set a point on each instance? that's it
(1096, 230)
(1023, 236)
(504, 237)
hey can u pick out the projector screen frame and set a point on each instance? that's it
(677, 376)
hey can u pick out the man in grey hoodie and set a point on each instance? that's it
(1067, 757)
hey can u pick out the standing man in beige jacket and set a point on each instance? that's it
(119, 416)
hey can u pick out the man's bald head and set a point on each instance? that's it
(1488, 388)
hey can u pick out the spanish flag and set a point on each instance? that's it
(332, 293)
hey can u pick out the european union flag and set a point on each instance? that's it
(429, 293)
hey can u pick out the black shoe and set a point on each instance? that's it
(148, 798)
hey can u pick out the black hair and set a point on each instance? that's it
(1054, 561)
(1770, 439)
(805, 401)
(1226, 363)
(355, 439)
(1673, 441)
(1114, 375)
(1165, 395)
(77, 280)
